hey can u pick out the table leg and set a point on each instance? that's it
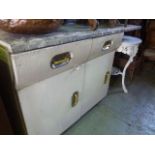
(124, 73)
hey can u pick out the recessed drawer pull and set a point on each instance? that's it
(107, 45)
(75, 98)
(107, 77)
(61, 60)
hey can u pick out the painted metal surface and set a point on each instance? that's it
(47, 104)
(34, 66)
(99, 43)
(95, 87)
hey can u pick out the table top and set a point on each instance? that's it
(129, 40)
(18, 43)
(129, 45)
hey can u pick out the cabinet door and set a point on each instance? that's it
(47, 105)
(97, 77)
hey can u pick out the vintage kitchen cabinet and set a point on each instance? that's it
(56, 85)
(56, 78)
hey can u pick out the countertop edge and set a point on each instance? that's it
(34, 43)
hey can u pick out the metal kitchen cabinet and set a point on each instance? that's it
(49, 84)
(98, 69)
(57, 85)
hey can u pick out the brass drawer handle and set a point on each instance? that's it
(61, 60)
(75, 98)
(107, 77)
(107, 45)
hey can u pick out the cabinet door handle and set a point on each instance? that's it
(61, 60)
(107, 77)
(75, 98)
(107, 45)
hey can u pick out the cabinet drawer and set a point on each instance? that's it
(34, 66)
(104, 45)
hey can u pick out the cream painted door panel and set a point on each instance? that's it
(97, 80)
(47, 105)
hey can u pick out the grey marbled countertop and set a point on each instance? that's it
(65, 34)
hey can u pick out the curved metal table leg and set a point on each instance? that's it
(124, 73)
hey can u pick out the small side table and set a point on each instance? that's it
(129, 47)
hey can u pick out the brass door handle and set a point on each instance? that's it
(61, 60)
(107, 45)
(107, 77)
(75, 98)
